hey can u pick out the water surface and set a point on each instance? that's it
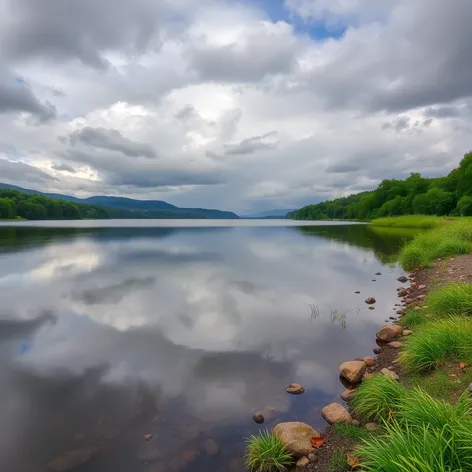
(179, 331)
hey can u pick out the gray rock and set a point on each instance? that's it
(296, 437)
(402, 279)
(312, 457)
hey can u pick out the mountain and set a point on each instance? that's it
(268, 214)
(130, 204)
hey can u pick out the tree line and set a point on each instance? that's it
(450, 195)
(15, 204)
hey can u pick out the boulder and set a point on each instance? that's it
(295, 389)
(336, 413)
(303, 462)
(352, 371)
(348, 395)
(390, 374)
(370, 300)
(388, 333)
(402, 279)
(296, 437)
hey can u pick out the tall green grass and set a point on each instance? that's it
(410, 221)
(412, 319)
(428, 435)
(452, 299)
(377, 398)
(266, 453)
(436, 342)
(445, 241)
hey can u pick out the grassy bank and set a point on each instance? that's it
(411, 221)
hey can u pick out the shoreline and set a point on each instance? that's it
(411, 294)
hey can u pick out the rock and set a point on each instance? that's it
(367, 376)
(369, 361)
(147, 437)
(402, 279)
(295, 389)
(392, 318)
(407, 332)
(421, 287)
(378, 273)
(421, 297)
(390, 374)
(377, 350)
(210, 447)
(409, 301)
(403, 293)
(357, 292)
(352, 371)
(388, 333)
(303, 462)
(371, 426)
(355, 423)
(370, 300)
(373, 280)
(372, 308)
(312, 457)
(296, 437)
(258, 418)
(336, 413)
(71, 459)
(395, 344)
(348, 395)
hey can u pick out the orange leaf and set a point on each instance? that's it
(352, 461)
(317, 442)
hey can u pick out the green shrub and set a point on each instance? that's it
(452, 299)
(437, 342)
(417, 448)
(377, 398)
(266, 453)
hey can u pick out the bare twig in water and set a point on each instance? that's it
(315, 312)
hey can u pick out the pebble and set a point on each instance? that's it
(295, 389)
(402, 279)
(371, 426)
(372, 308)
(356, 423)
(357, 292)
(407, 332)
(396, 344)
(303, 462)
(258, 418)
(312, 457)
(147, 437)
(378, 273)
(370, 300)
(377, 350)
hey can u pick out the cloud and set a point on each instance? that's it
(252, 145)
(16, 96)
(112, 140)
(18, 173)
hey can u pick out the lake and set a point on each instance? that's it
(110, 331)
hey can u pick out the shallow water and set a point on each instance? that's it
(182, 332)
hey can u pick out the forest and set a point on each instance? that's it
(19, 205)
(450, 195)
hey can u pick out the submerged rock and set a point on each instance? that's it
(352, 371)
(295, 389)
(378, 273)
(336, 413)
(258, 418)
(296, 437)
(210, 447)
(370, 300)
(402, 279)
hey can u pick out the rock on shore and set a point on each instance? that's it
(352, 371)
(296, 437)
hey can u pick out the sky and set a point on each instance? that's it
(239, 105)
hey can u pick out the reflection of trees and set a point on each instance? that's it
(385, 242)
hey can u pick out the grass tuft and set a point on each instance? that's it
(417, 448)
(338, 462)
(437, 342)
(410, 221)
(266, 453)
(347, 430)
(441, 384)
(452, 299)
(377, 398)
(412, 318)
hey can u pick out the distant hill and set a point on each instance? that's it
(165, 209)
(268, 214)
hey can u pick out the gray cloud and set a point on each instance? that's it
(112, 140)
(16, 96)
(252, 145)
(62, 166)
(82, 30)
(19, 173)
(446, 111)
